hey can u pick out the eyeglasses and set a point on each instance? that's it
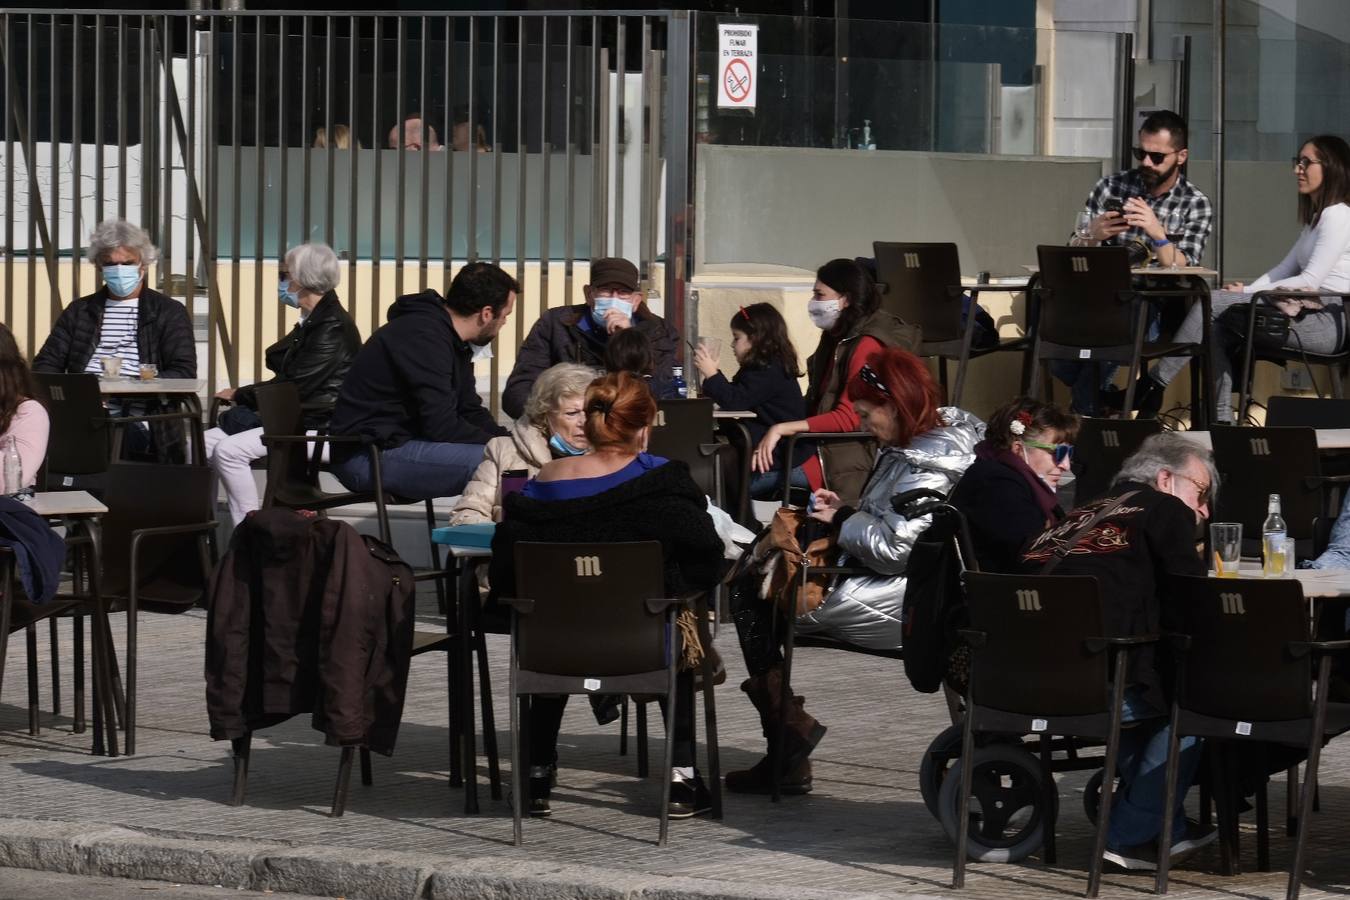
(872, 379)
(1302, 163)
(1201, 488)
(1061, 452)
(283, 275)
(1154, 156)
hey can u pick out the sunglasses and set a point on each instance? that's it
(1302, 162)
(1154, 156)
(1061, 452)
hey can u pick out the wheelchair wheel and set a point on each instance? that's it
(942, 754)
(1092, 794)
(1007, 818)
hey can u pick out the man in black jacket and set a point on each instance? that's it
(411, 389)
(579, 334)
(1132, 551)
(124, 318)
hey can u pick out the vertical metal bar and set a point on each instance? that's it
(426, 160)
(190, 174)
(522, 149)
(569, 194)
(677, 152)
(376, 202)
(78, 107)
(471, 226)
(401, 53)
(283, 156)
(211, 239)
(54, 154)
(306, 123)
(496, 150)
(447, 237)
(1220, 111)
(651, 176)
(30, 165)
(646, 131)
(543, 167)
(121, 117)
(10, 94)
(621, 131)
(236, 126)
(145, 72)
(164, 140)
(99, 116)
(329, 78)
(259, 193)
(353, 161)
(599, 144)
(1124, 99)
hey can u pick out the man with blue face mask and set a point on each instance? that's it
(124, 318)
(580, 334)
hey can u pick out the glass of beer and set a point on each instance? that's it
(149, 371)
(1278, 554)
(1225, 539)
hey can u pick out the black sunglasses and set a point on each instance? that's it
(1156, 157)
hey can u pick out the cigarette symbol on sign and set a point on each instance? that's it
(736, 80)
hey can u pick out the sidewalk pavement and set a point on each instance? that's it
(863, 832)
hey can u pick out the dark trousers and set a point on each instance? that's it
(757, 627)
(546, 714)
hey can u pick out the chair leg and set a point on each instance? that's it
(623, 727)
(242, 746)
(784, 700)
(642, 740)
(131, 673)
(1169, 806)
(1263, 827)
(34, 726)
(344, 778)
(1048, 791)
(78, 691)
(710, 722)
(452, 702)
(1109, 775)
(56, 666)
(1291, 802)
(963, 802)
(668, 758)
(518, 773)
(367, 776)
(1309, 791)
(489, 719)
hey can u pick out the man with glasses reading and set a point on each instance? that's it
(580, 334)
(1154, 203)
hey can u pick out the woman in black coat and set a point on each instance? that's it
(1008, 494)
(616, 492)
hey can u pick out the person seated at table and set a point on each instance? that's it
(580, 334)
(617, 492)
(765, 384)
(125, 318)
(21, 417)
(553, 427)
(846, 306)
(630, 351)
(1318, 261)
(1008, 494)
(314, 356)
(1163, 491)
(923, 445)
(411, 390)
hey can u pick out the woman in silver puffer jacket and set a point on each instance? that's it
(922, 446)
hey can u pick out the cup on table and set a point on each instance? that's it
(149, 371)
(1278, 555)
(112, 367)
(712, 345)
(1225, 539)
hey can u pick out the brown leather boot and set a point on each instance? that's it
(802, 733)
(758, 779)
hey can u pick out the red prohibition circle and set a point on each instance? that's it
(736, 80)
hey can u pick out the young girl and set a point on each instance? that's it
(766, 385)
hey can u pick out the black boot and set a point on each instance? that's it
(1148, 396)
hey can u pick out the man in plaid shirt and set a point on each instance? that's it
(1159, 206)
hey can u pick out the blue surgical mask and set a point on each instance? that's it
(122, 279)
(560, 446)
(286, 295)
(605, 303)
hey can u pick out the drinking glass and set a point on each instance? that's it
(149, 371)
(713, 345)
(1082, 227)
(112, 367)
(1175, 225)
(1278, 555)
(1225, 539)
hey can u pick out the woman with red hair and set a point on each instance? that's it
(923, 445)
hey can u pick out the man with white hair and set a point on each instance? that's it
(124, 318)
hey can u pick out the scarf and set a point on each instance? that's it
(1040, 491)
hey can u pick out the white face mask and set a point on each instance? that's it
(824, 313)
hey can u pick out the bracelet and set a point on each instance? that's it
(1160, 242)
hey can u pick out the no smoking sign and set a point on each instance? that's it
(738, 47)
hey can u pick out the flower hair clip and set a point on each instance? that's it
(1018, 426)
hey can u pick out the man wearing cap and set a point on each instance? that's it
(580, 334)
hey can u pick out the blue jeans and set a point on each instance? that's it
(1337, 554)
(769, 485)
(1085, 381)
(1137, 810)
(418, 470)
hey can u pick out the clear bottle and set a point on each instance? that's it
(1273, 533)
(681, 388)
(13, 467)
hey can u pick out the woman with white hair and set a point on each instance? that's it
(314, 356)
(552, 427)
(124, 318)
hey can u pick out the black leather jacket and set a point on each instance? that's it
(315, 356)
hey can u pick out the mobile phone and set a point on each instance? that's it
(513, 481)
(1115, 205)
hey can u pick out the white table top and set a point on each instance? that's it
(153, 386)
(66, 503)
(733, 414)
(1327, 438)
(1317, 583)
(1172, 271)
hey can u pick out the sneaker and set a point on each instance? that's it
(1139, 858)
(688, 797)
(1196, 836)
(542, 780)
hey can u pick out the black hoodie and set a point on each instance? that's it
(413, 380)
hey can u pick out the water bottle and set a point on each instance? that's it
(681, 389)
(13, 467)
(1273, 533)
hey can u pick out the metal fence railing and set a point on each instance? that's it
(233, 136)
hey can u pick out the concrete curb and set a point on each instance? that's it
(90, 849)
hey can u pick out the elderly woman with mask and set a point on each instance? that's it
(553, 427)
(314, 356)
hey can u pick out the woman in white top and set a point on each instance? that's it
(1318, 261)
(21, 417)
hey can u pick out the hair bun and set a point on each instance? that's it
(599, 406)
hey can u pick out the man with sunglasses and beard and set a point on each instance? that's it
(1155, 203)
